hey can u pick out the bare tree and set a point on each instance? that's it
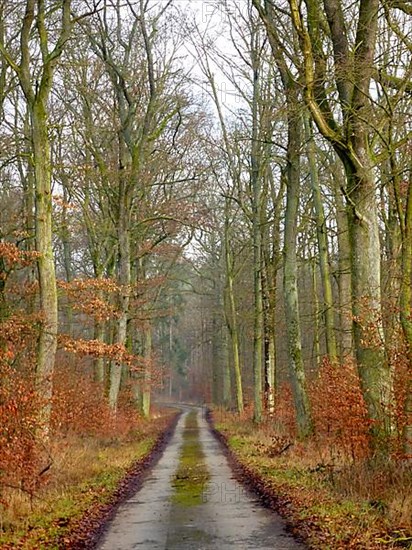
(36, 79)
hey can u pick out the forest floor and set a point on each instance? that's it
(89, 480)
(329, 506)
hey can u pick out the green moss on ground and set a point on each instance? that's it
(192, 475)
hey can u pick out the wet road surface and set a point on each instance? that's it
(226, 518)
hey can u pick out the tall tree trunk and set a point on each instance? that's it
(220, 336)
(405, 309)
(255, 180)
(321, 233)
(290, 290)
(124, 278)
(353, 68)
(227, 379)
(232, 316)
(147, 379)
(26, 174)
(4, 310)
(36, 86)
(290, 275)
(47, 344)
(344, 270)
(392, 246)
(214, 357)
(269, 305)
(99, 362)
(67, 255)
(374, 371)
(273, 261)
(316, 329)
(215, 337)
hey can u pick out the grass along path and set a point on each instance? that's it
(90, 479)
(192, 475)
(342, 508)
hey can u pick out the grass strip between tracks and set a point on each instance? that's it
(192, 475)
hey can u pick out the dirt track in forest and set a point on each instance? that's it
(225, 516)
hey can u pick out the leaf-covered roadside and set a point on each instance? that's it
(77, 519)
(305, 497)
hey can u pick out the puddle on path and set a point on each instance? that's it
(191, 501)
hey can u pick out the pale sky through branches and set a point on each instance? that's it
(210, 23)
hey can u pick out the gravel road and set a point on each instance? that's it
(227, 517)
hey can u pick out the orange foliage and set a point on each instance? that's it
(284, 410)
(401, 369)
(80, 407)
(93, 297)
(16, 257)
(339, 411)
(23, 462)
(96, 348)
(20, 462)
(18, 332)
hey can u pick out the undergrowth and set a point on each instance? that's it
(84, 474)
(333, 500)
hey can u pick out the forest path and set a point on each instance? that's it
(224, 516)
